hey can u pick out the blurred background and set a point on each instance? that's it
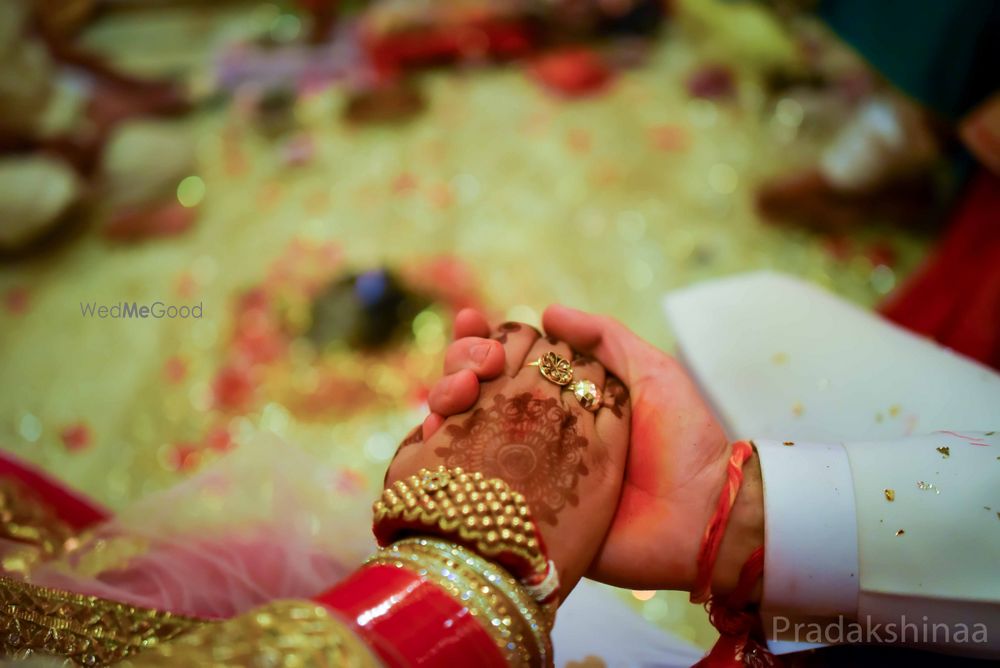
(322, 184)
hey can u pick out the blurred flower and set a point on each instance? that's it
(75, 437)
(711, 82)
(572, 72)
(233, 388)
(17, 300)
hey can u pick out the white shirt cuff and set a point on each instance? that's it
(810, 529)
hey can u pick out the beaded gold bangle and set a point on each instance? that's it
(483, 514)
(504, 608)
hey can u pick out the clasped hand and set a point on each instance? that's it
(622, 493)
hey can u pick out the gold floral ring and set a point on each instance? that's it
(554, 368)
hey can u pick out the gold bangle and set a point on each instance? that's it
(502, 606)
(485, 515)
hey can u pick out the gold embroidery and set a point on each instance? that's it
(501, 604)
(88, 630)
(282, 634)
(92, 631)
(37, 530)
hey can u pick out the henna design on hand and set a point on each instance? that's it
(616, 395)
(415, 436)
(533, 444)
(505, 329)
(508, 327)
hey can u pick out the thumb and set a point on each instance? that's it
(613, 344)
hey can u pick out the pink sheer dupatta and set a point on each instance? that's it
(267, 521)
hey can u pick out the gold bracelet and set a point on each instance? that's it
(483, 514)
(502, 606)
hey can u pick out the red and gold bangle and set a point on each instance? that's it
(485, 515)
(498, 602)
(409, 621)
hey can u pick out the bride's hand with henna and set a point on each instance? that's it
(568, 462)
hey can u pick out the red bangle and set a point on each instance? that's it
(716, 529)
(408, 621)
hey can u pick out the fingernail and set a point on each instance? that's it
(478, 353)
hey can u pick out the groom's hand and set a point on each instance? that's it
(676, 465)
(676, 468)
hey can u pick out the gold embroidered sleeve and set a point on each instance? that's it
(87, 630)
(91, 631)
(280, 634)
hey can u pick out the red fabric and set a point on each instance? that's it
(955, 297)
(427, 46)
(716, 529)
(71, 507)
(409, 621)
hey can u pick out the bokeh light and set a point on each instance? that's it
(191, 191)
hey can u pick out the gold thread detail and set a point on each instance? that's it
(38, 532)
(283, 634)
(87, 630)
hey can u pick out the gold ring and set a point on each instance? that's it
(555, 368)
(588, 394)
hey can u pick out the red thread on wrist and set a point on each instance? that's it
(741, 637)
(741, 640)
(729, 614)
(711, 540)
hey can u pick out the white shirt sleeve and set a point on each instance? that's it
(894, 542)
(783, 359)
